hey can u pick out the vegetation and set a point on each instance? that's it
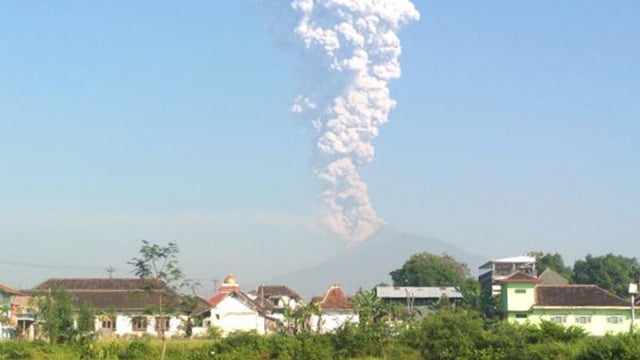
(57, 315)
(425, 269)
(450, 333)
(385, 331)
(610, 272)
(158, 266)
(552, 261)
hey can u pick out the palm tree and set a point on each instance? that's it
(307, 311)
(289, 321)
(370, 308)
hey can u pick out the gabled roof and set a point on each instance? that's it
(417, 292)
(217, 298)
(257, 305)
(510, 260)
(276, 291)
(334, 299)
(576, 295)
(519, 276)
(9, 290)
(102, 294)
(552, 277)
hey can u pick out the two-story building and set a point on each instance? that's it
(494, 271)
(597, 311)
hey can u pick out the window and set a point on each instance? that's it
(583, 319)
(521, 291)
(109, 322)
(162, 323)
(560, 319)
(139, 323)
(521, 316)
(615, 320)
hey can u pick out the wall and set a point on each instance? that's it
(232, 315)
(124, 325)
(331, 321)
(598, 324)
(518, 296)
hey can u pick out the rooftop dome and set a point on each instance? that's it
(229, 280)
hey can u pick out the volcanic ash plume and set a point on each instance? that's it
(353, 50)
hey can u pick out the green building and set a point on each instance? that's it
(525, 300)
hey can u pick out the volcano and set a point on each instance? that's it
(370, 262)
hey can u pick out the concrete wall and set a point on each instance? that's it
(331, 321)
(593, 321)
(518, 296)
(124, 325)
(232, 315)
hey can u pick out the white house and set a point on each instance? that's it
(122, 306)
(233, 310)
(335, 310)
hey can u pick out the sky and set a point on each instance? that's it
(516, 129)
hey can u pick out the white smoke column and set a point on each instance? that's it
(355, 49)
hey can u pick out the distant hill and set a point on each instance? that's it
(370, 262)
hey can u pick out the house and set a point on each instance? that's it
(525, 300)
(417, 298)
(230, 309)
(279, 296)
(9, 309)
(279, 299)
(492, 272)
(123, 306)
(335, 310)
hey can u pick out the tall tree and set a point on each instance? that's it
(158, 266)
(86, 319)
(57, 312)
(426, 269)
(553, 261)
(610, 272)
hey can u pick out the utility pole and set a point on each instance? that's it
(633, 291)
(111, 270)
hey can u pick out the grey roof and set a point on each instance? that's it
(552, 277)
(512, 260)
(423, 292)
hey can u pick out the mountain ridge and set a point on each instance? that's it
(369, 263)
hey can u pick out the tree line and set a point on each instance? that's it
(468, 330)
(610, 272)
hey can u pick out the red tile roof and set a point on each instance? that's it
(217, 298)
(519, 276)
(576, 295)
(334, 299)
(9, 290)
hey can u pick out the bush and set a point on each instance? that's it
(609, 347)
(138, 350)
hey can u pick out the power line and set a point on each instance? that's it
(61, 267)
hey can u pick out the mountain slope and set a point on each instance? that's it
(369, 263)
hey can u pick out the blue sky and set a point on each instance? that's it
(516, 129)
